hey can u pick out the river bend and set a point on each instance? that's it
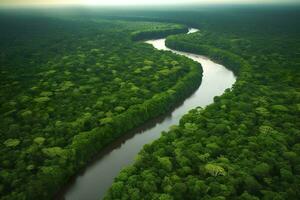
(97, 177)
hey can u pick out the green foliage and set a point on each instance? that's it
(158, 32)
(54, 151)
(246, 144)
(39, 140)
(53, 71)
(11, 142)
(70, 87)
(261, 170)
(165, 162)
(214, 170)
(41, 99)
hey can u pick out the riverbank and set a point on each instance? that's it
(98, 177)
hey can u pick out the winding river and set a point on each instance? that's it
(97, 177)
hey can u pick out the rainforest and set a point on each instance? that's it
(164, 102)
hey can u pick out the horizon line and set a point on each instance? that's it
(14, 5)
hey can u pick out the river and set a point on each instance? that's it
(97, 177)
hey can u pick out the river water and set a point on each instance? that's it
(97, 177)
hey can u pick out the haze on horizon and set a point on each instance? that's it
(139, 2)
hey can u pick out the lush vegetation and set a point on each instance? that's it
(247, 144)
(158, 32)
(69, 87)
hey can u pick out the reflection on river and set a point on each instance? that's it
(97, 177)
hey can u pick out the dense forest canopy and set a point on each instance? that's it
(74, 79)
(246, 144)
(69, 87)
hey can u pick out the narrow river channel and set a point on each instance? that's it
(97, 177)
